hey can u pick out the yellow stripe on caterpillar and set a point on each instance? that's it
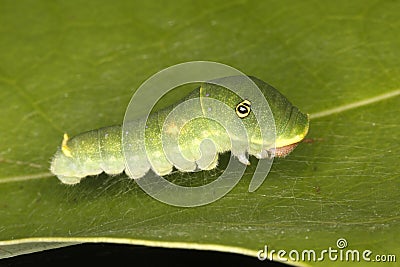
(64, 147)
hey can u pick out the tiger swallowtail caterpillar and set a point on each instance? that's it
(100, 150)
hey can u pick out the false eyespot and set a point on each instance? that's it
(243, 109)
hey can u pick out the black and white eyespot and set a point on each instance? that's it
(243, 109)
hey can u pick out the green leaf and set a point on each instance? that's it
(72, 66)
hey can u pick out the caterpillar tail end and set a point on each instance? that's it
(63, 164)
(69, 180)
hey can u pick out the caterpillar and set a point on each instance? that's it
(101, 150)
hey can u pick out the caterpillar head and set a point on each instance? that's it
(291, 125)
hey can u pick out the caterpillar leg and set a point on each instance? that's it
(186, 166)
(243, 159)
(137, 172)
(207, 163)
(263, 154)
(161, 166)
(69, 180)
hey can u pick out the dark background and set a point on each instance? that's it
(128, 255)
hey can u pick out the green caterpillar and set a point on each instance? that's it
(101, 150)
